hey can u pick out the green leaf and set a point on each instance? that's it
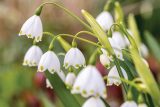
(153, 45)
(146, 76)
(133, 27)
(66, 46)
(100, 34)
(60, 89)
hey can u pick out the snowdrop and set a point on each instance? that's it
(144, 50)
(75, 58)
(104, 59)
(116, 48)
(32, 28)
(89, 82)
(105, 20)
(32, 56)
(114, 73)
(60, 74)
(94, 102)
(49, 61)
(119, 39)
(129, 104)
(70, 78)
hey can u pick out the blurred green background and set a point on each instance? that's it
(22, 86)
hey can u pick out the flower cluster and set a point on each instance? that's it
(87, 80)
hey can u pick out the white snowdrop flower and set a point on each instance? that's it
(113, 76)
(116, 48)
(70, 78)
(74, 57)
(119, 39)
(129, 104)
(104, 59)
(142, 105)
(32, 56)
(105, 20)
(60, 74)
(32, 28)
(48, 84)
(94, 102)
(126, 39)
(89, 82)
(144, 50)
(49, 61)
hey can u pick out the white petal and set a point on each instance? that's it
(61, 75)
(104, 59)
(114, 73)
(75, 58)
(105, 20)
(48, 84)
(32, 56)
(49, 61)
(94, 102)
(32, 28)
(144, 50)
(119, 39)
(89, 82)
(70, 78)
(129, 104)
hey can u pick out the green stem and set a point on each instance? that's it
(69, 35)
(68, 12)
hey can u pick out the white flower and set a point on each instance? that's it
(94, 102)
(89, 82)
(142, 105)
(48, 84)
(49, 61)
(119, 39)
(114, 73)
(116, 48)
(105, 20)
(104, 59)
(144, 50)
(75, 58)
(32, 56)
(129, 104)
(32, 28)
(60, 74)
(70, 78)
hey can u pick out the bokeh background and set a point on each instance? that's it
(24, 87)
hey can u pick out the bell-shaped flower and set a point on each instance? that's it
(32, 56)
(129, 104)
(104, 59)
(142, 105)
(144, 50)
(119, 39)
(70, 78)
(89, 82)
(116, 48)
(105, 20)
(60, 74)
(94, 102)
(49, 61)
(74, 57)
(32, 28)
(113, 76)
